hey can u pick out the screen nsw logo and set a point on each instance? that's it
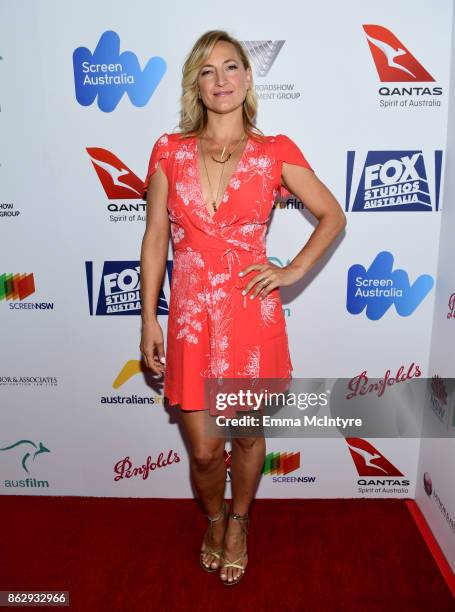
(378, 287)
(119, 289)
(394, 181)
(108, 74)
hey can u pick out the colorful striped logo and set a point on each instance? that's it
(16, 286)
(281, 463)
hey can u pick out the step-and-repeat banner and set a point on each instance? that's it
(86, 88)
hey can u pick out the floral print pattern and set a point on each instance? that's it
(213, 330)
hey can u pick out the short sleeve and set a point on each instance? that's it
(160, 153)
(287, 151)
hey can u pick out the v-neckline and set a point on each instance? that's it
(234, 172)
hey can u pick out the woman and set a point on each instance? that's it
(213, 185)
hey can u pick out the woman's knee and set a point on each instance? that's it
(206, 457)
(246, 443)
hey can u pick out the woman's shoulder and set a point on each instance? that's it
(170, 140)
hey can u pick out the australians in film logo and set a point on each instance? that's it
(376, 473)
(396, 64)
(129, 370)
(263, 54)
(26, 453)
(16, 287)
(106, 74)
(122, 186)
(393, 181)
(375, 289)
(126, 469)
(119, 290)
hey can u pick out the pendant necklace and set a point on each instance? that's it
(222, 161)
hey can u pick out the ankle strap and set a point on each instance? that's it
(220, 515)
(242, 518)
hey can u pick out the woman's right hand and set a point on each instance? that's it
(152, 347)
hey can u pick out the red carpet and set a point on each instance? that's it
(140, 555)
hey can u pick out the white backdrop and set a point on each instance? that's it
(67, 432)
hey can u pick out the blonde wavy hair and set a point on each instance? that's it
(193, 113)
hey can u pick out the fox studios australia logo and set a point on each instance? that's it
(396, 64)
(107, 74)
(378, 287)
(119, 289)
(394, 181)
(263, 54)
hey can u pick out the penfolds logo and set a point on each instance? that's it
(361, 385)
(124, 468)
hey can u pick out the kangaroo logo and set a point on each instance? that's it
(393, 61)
(368, 460)
(108, 74)
(118, 181)
(378, 288)
(28, 452)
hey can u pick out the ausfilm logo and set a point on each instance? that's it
(280, 464)
(396, 64)
(119, 289)
(16, 287)
(377, 473)
(120, 183)
(125, 467)
(263, 54)
(129, 370)
(26, 453)
(393, 181)
(106, 74)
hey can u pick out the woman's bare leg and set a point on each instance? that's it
(248, 456)
(208, 472)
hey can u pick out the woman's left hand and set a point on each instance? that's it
(269, 277)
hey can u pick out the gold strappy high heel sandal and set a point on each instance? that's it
(216, 552)
(242, 518)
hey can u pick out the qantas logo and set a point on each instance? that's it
(393, 61)
(368, 460)
(118, 181)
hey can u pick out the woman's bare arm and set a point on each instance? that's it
(155, 244)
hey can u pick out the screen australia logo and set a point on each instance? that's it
(107, 74)
(378, 287)
(394, 181)
(119, 290)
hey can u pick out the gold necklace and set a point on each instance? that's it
(222, 170)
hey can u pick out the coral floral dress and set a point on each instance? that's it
(213, 330)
